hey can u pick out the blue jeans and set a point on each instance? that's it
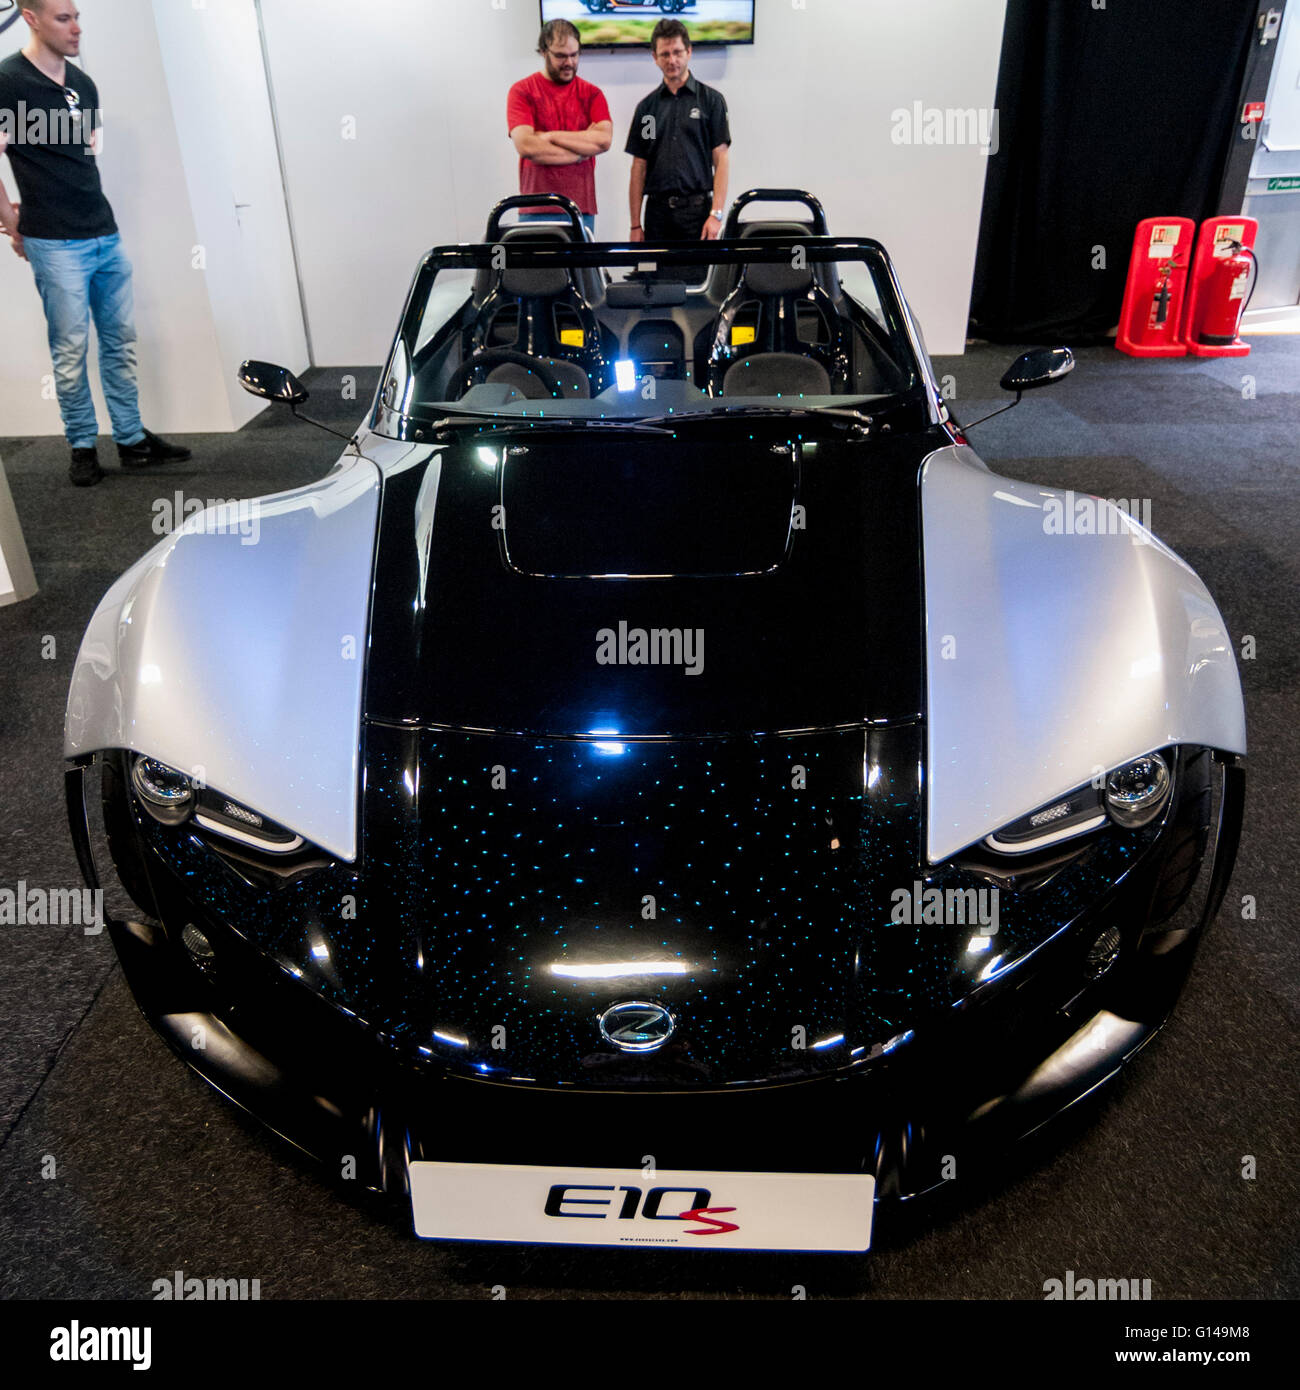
(79, 280)
(588, 219)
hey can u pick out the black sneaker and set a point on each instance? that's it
(85, 470)
(150, 450)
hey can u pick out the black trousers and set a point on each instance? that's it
(682, 222)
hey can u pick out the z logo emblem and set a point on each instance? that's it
(637, 1025)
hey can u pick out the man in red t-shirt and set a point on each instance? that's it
(559, 124)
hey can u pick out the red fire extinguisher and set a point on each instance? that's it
(1158, 320)
(1226, 297)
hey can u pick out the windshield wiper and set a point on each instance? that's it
(857, 417)
(637, 424)
(463, 419)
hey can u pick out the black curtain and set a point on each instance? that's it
(1106, 116)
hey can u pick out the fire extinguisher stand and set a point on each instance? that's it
(1155, 288)
(1217, 287)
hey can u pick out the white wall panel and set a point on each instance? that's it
(187, 136)
(141, 167)
(213, 59)
(393, 124)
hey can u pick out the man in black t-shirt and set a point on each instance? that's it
(680, 143)
(63, 225)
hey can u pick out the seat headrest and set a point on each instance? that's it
(588, 281)
(538, 231)
(780, 278)
(761, 229)
(535, 284)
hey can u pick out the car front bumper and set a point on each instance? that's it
(973, 1085)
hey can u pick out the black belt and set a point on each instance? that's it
(680, 200)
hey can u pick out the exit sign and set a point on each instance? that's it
(1285, 185)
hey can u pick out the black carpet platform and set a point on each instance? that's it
(152, 1172)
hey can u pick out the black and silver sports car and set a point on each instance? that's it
(660, 787)
(667, 6)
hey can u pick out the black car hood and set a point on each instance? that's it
(744, 885)
(562, 582)
(771, 893)
(743, 848)
(730, 843)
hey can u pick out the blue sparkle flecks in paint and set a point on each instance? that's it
(804, 932)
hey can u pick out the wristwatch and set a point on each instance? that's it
(717, 212)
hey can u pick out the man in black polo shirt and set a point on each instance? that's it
(679, 143)
(50, 127)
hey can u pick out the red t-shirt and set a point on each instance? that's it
(547, 105)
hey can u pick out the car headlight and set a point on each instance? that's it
(1136, 793)
(1133, 796)
(171, 798)
(242, 824)
(1076, 814)
(166, 794)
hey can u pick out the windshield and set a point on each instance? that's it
(542, 326)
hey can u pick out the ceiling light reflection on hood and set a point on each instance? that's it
(618, 969)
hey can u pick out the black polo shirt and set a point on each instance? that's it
(49, 149)
(676, 136)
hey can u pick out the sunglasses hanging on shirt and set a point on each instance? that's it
(74, 103)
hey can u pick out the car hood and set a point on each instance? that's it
(543, 881)
(561, 582)
(765, 892)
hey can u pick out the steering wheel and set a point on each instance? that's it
(498, 357)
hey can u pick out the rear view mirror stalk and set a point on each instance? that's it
(1038, 367)
(269, 382)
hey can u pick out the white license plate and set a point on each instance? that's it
(621, 1206)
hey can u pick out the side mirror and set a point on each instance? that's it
(1038, 367)
(272, 383)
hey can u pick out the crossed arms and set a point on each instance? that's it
(563, 146)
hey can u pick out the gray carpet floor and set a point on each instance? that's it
(153, 1172)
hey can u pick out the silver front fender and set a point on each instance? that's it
(242, 663)
(1050, 656)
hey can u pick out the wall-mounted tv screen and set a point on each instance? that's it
(628, 23)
